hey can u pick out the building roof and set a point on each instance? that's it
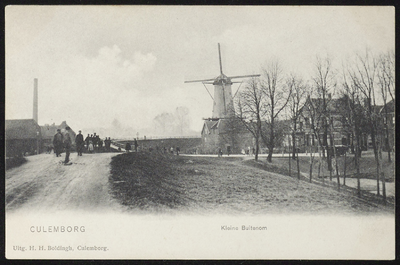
(390, 107)
(48, 131)
(332, 104)
(209, 125)
(22, 129)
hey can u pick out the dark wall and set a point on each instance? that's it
(186, 145)
(21, 147)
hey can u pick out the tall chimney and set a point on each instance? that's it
(35, 99)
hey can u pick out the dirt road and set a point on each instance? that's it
(44, 184)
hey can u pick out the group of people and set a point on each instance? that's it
(61, 142)
(128, 146)
(171, 150)
(249, 151)
(95, 143)
(64, 142)
(177, 149)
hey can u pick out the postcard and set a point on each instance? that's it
(200, 132)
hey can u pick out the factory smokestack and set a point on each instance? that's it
(35, 99)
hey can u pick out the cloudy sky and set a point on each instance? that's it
(99, 63)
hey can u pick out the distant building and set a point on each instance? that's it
(389, 123)
(22, 137)
(48, 132)
(340, 133)
(312, 121)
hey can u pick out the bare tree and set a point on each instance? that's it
(164, 123)
(386, 85)
(182, 119)
(232, 133)
(250, 110)
(312, 111)
(364, 77)
(296, 101)
(172, 123)
(325, 83)
(276, 97)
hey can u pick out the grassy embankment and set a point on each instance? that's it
(163, 183)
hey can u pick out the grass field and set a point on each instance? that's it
(367, 166)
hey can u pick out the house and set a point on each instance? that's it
(229, 134)
(22, 137)
(315, 124)
(48, 132)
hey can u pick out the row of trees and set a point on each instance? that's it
(173, 124)
(364, 86)
(260, 104)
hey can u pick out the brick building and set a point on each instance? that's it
(313, 121)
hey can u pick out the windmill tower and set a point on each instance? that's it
(223, 101)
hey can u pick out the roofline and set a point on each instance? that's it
(20, 120)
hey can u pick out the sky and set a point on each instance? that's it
(98, 64)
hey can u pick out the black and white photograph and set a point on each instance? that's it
(200, 132)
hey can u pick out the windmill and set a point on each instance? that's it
(223, 100)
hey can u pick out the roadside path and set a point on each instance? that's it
(44, 184)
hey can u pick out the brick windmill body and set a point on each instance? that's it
(223, 110)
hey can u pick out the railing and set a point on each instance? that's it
(156, 138)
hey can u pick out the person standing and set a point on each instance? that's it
(87, 140)
(67, 144)
(100, 144)
(58, 142)
(135, 143)
(109, 144)
(106, 144)
(128, 147)
(79, 143)
(90, 147)
(94, 140)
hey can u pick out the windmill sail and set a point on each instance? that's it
(223, 101)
